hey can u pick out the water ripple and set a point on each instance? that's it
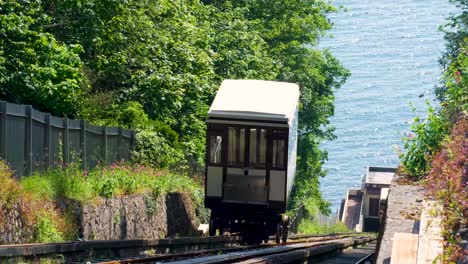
(392, 48)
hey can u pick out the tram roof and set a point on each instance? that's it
(255, 100)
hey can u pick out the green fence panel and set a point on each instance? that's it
(31, 140)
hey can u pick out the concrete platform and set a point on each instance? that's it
(430, 233)
(403, 212)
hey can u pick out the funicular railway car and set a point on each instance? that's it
(251, 157)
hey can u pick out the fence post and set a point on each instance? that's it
(119, 138)
(132, 147)
(4, 136)
(83, 143)
(48, 140)
(66, 142)
(29, 154)
(104, 130)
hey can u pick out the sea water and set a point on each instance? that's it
(392, 49)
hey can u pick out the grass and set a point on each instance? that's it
(105, 182)
(307, 226)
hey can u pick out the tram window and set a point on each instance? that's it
(236, 146)
(215, 149)
(257, 151)
(279, 148)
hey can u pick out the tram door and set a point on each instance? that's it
(246, 165)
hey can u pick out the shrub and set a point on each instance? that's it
(116, 180)
(9, 188)
(424, 142)
(308, 226)
(448, 183)
(47, 227)
(152, 149)
(55, 184)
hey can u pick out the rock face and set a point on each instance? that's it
(126, 217)
(139, 216)
(13, 227)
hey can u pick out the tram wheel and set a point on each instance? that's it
(278, 233)
(212, 227)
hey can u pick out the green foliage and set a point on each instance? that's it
(313, 206)
(129, 114)
(40, 187)
(309, 170)
(153, 149)
(34, 67)
(154, 53)
(58, 184)
(456, 33)
(151, 204)
(291, 29)
(9, 188)
(455, 98)
(34, 201)
(119, 179)
(308, 226)
(46, 230)
(448, 183)
(155, 66)
(424, 143)
(439, 146)
(429, 133)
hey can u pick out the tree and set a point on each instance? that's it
(291, 29)
(456, 33)
(163, 61)
(34, 67)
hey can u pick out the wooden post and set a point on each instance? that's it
(66, 142)
(3, 133)
(48, 141)
(29, 154)
(83, 144)
(104, 130)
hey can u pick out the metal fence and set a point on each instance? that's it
(31, 140)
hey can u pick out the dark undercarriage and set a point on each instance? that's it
(255, 222)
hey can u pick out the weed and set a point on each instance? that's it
(308, 226)
(117, 219)
(46, 228)
(151, 204)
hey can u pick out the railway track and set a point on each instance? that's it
(299, 248)
(173, 249)
(84, 251)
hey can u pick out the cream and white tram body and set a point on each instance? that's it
(251, 157)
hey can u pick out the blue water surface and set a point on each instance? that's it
(392, 48)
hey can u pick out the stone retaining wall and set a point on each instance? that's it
(126, 217)
(13, 227)
(139, 216)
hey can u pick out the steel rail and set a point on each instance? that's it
(363, 259)
(84, 248)
(283, 254)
